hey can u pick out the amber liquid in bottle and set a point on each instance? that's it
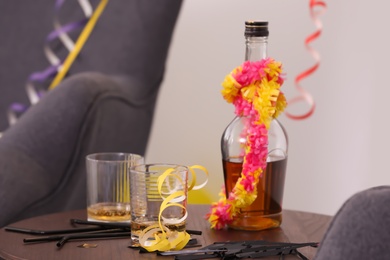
(266, 211)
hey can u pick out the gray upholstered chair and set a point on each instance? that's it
(360, 229)
(106, 103)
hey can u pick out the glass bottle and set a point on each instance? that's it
(266, 211)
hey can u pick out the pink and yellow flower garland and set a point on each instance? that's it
(254, 89)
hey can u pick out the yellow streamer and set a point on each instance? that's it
(193, 174)
(164, 239)
(79, 44)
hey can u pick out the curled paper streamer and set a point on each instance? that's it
(192, 169)
(158, 237)
(304, 95)
(79, 44)
(56, 66)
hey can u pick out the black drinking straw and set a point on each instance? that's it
(66, 238)
(120, 225)
(60, 237)
(50, 232)
(97, 226)
(100, 230)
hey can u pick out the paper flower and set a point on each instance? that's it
(254, 90)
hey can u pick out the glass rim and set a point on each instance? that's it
(113, 157)
(141, 168)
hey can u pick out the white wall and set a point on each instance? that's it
(341, 149)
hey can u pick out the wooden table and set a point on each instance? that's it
(296, 227)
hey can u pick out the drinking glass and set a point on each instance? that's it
(108, 186)
(158, 196)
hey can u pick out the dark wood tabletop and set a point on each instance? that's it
(297, 227)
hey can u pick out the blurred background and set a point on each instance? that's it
(341, 149)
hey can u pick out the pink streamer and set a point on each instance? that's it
(303, 94)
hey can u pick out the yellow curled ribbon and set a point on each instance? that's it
(193, 177)
(79, 44)
(159, 237)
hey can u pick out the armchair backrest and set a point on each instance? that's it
(105, 104)
(130, 38)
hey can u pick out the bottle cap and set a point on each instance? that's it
(256, 28)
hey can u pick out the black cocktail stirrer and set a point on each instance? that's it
(50, 232)
(61, 236)
(66, 238)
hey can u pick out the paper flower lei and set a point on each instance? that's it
(254, 89)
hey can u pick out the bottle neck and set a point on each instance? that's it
(256, 48)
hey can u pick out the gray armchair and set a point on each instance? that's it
(106, 103)
(360, 229)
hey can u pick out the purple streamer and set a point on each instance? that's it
(18, 107)
(66, 28)
(42, 76)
